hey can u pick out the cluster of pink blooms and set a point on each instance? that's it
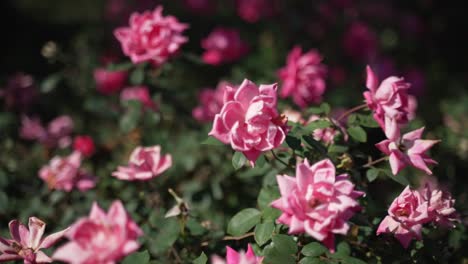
(64, 173)
(413, 208)
(138, 93)
(317, 201)
(57, 132)
(101, 237)
(145, 163)
(211, 102)
(241, 257)
(249, 120)
(223, 45)
(151, 37)
(303, 77)
(26, 244)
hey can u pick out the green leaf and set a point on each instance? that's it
(285, 243)
(372, 174)
(166, 236)
(137, 257)
(343, 249)
(309, 140)
(293, 142)
(120, 66)
(238, 160)
(367, 121)
(357, 133)
(267, 195)
(337, 149)
(202, 259)
(212, 142)
(398, 178)
(51, 82)
(138, 75)
(351, 260)
(243, 221)
(313, 249)
(312, 260)
(282, 250)
(317, 124)
(132, 117)
(263, 232)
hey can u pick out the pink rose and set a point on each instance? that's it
(26, 244)
(326, 135)
(254, 10)
(20, 92)
(145, 163)
(249, 120)
(32, 129)
(406, 215)
(64, 173)
(388, 101)
(108, 82)
(84, 145)
(241, 257)
(57, 132)
(139, 93)
(360, 42)
(293, 116)
(303, 77)
(316, 201)
(223, 45)
(151, 37)
(441, 206)
(410, 149)
(211, 102)
(101, 237)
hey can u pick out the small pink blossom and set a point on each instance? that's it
(303, 77)
(253, 10)
(441, 206)
(84, 145)
(151, 37)
(406, 215)
(32, 129)
(57, 132)
(241, 257)
(223, 45)
(101, 237)
(138, 93)
(293, 116)
(410, 149)
(211, 101)
(64, 173)
(317, 201)
(108, 82)
(388, 101)
(326, 135)
(145, 163)
(26, 244)
(360, 42)
(249, 120)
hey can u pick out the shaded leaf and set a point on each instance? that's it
(243, 221)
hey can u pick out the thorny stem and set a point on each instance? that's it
(238, 237)
(278, 159)
(350, 111)
(371, 163)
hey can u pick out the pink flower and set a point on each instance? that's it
(32, 129)
(108, 82)
(57, 133)
(293, 116)
(254, 10)
(20, 92)
(327, 135)
(151, 37)
(360, 42)
(64, 173)
(408, 150)
(241, 257)
(202, 7)
(249, 120)
(303, 77)
(145, 163)
(441, 206)
(388, 101)
(223, 45)
(316, 201)
(27, 244)
(406, 215)
(412, 107)
(211, 102)
(138, 93)
(101, 237)
(84, 145)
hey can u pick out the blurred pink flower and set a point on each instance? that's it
(441, 206)
(412, 107)
(139, 93)
(151, 37)
(145, 163)
(249, 120)
(211, 101)
(326, 135)
(317, 201)
(253, 10)
(405, 217)
(32, 129)
(223, 45)
(101, 237)
(303, 77)
(388, 101)
(293, 116)
(20, 92)
(84, 144)
(108, 82)
(201, 7)
(64, 173)
(57, 133)
(410, 149)
(27, 244)
(360, 42)
(241, 257)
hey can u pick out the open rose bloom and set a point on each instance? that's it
(26, 244)
(303, 77)
(151, 37)
(249, 120)
(223, 45)
(145, 163)
(101, 237)
(317, 202)
(211, 101)
(241, 257)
